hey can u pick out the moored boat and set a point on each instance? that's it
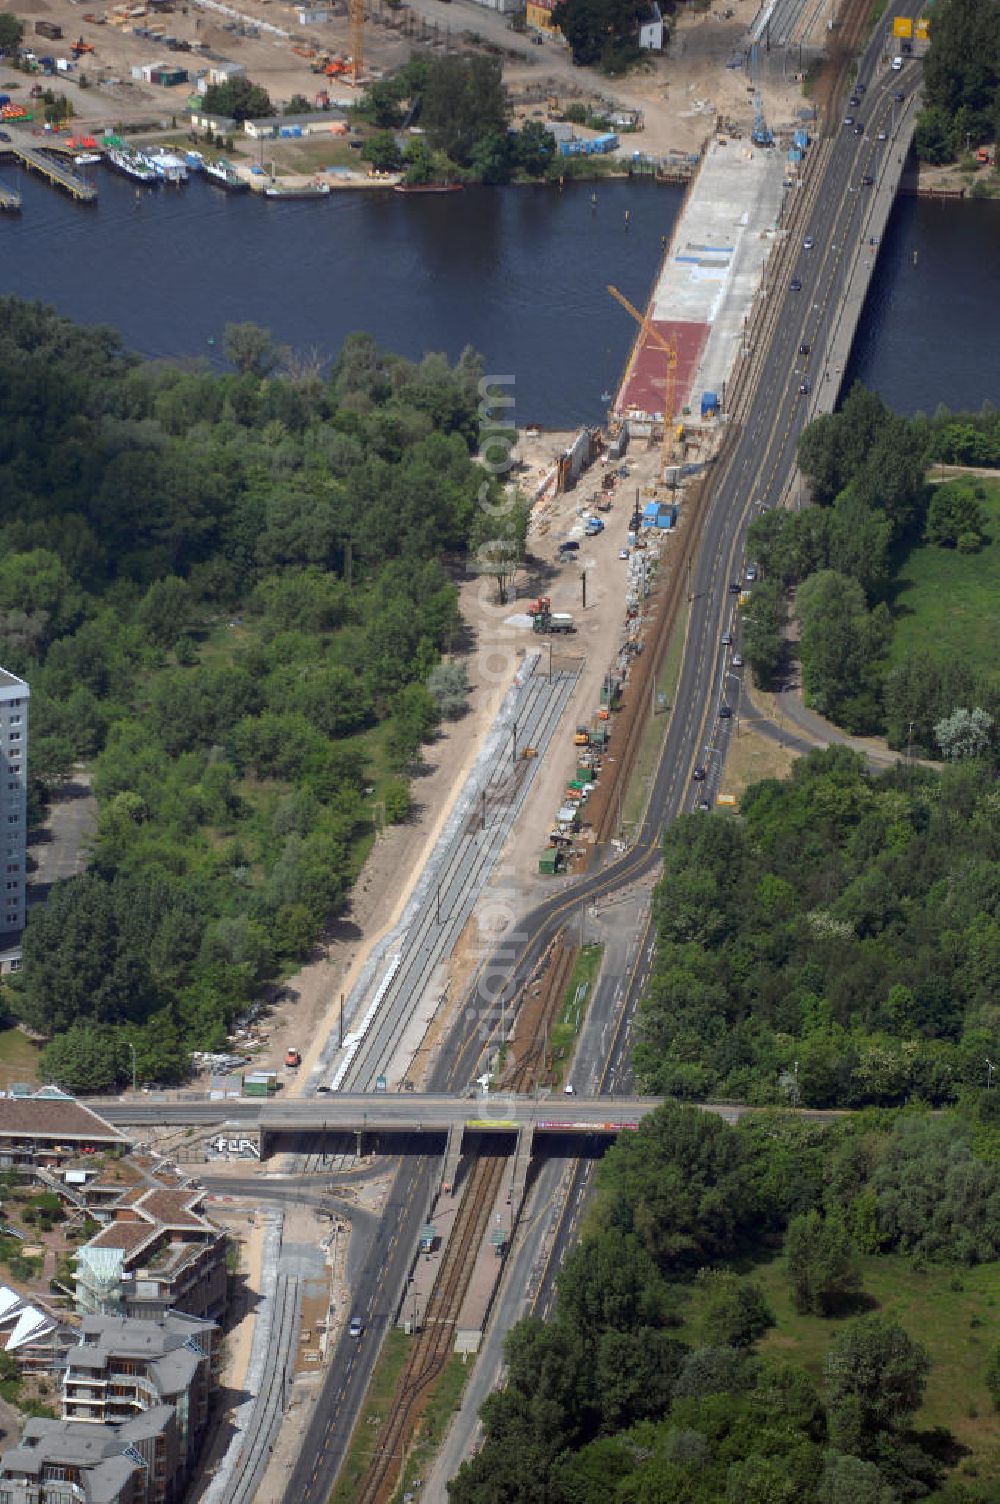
(171, 168)
(428, 187)
(225, 174)
(299, 190)
(132, 164)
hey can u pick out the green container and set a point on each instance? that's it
(548, 863)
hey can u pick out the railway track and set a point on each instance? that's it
(434, 1343)
(446, 908)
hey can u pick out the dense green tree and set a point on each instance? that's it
(463, 102)
(383, 152)
(822, 1264)
(735, 1313)
(875, 1376)
(962, 67)
(956, 511)
(250, 349)
(534, 149)
(238, 98)
(84, 1059)
(599, 31)
(11, 32)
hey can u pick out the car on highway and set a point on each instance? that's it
(807, 244)
(704, 805)
(737, 660)
(356, 1327)
(795, 285)
(848, 119)
(881, 136)
(867, 180)
(897, 64)
(803, 388)
(727, 639)
(725, 712)
(804, 348)
(899, 96)
(735, 587)
(859, 88)
(859, 129)
(698, 775)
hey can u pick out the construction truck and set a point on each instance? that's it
(561, 621)
(582, 737)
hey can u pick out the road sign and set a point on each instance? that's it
(902, 26)
(923, 28)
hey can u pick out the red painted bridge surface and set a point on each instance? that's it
(645, 383)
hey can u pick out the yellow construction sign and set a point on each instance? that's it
(923, 28)
(902, 26)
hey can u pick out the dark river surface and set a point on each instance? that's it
(519, 273)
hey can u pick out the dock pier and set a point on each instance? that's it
(58, 174)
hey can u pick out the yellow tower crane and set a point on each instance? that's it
(648, 333)
(356, 16)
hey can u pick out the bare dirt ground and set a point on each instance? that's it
(681, 94)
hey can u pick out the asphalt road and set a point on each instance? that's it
(754, 473)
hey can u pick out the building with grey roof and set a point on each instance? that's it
(122, 1367)
(14, 696)
(56, 1461)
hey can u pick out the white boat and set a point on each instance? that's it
(132, 164)
(302, 190)
(225, 174)
(170, 168)
(86, 158)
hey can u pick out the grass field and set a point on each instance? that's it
(656, 725)
(574, 1005)
(952, 1312)
(376, 1409)
(18, 1058)
(945, 602)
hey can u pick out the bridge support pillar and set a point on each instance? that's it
(452, 1156)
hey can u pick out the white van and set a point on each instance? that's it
(897, 64)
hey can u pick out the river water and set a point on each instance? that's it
(521, 274)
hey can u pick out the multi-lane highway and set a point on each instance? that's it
(752, 473)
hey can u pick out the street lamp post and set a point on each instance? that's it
(132, 1051)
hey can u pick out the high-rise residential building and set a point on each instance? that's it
(14, 694)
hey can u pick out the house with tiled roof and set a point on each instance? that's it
(157, 1253)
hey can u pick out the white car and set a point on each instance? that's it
(623, 553)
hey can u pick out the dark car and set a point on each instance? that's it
(859, 129)
(569, 547)
(855, 99)
(4, 136)
(859, 88)
(804, 389)
(704, 805)
(804, 349)
(795, 285)
(725, 713)
(735, 587)
(698, 775)
(899, 96)
(848, 119)
(867, 180)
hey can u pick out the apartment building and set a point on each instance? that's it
(60, 1462)
(48, 1128)
(122, 1368)
(14, 694)
(158, 1254)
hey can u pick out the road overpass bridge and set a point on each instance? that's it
(408, 1122)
